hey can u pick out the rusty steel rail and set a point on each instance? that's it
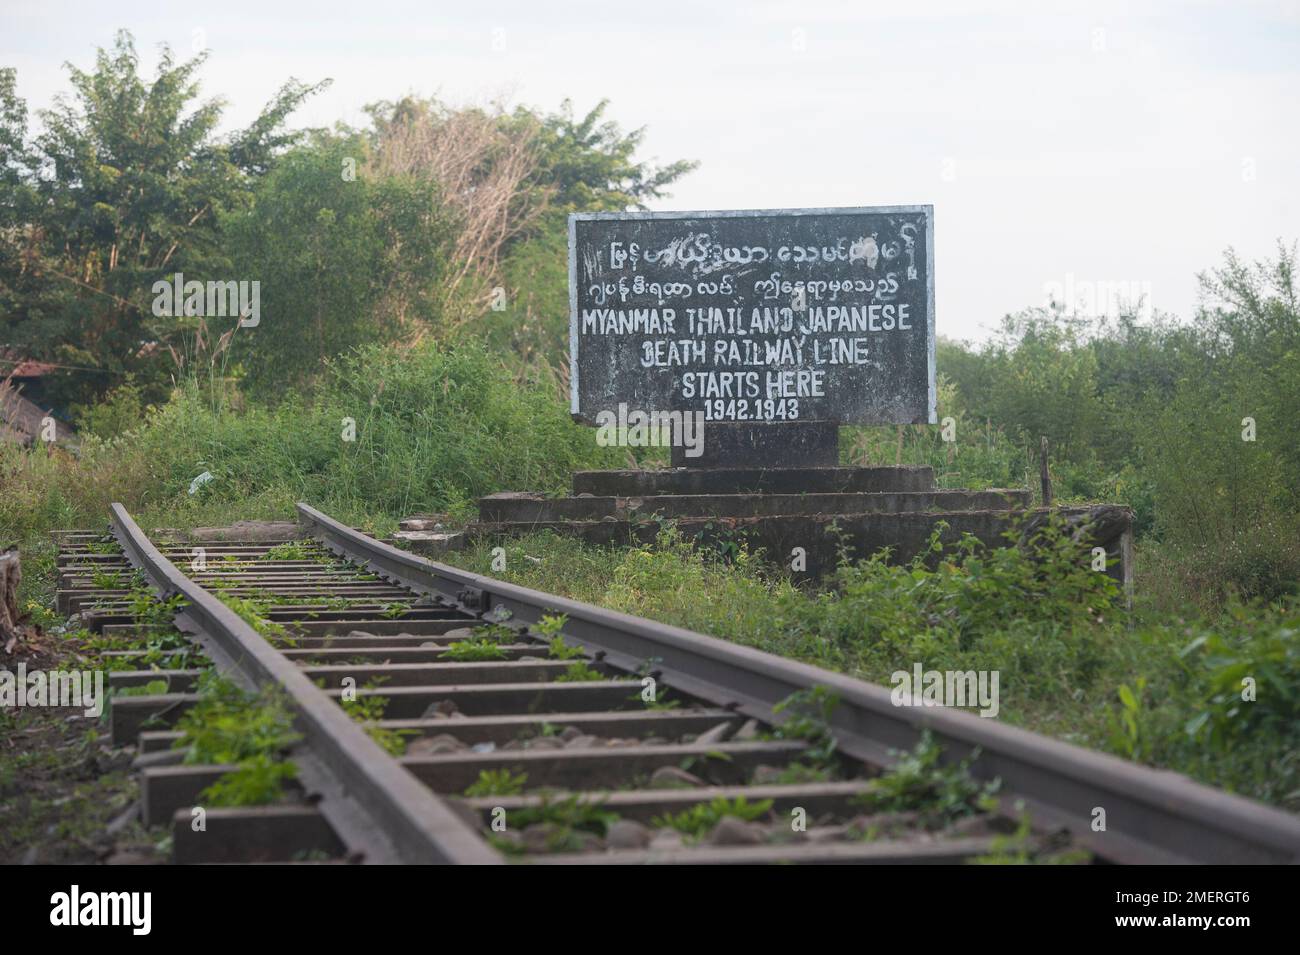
(381, 812)
(1151, 816)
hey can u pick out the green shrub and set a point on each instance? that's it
(258, 781)
(477, 649)
(229, 725)
(920, 781)
(121, 410)
(1248, 668)
(978, 607)
(700, 819)
(497, 782)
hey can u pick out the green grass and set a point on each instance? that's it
(299, 551)
(436, 427)
(557, 649)
(250, 610)
(567, 816)
(258, 781)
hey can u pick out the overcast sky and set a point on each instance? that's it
(1122, 147)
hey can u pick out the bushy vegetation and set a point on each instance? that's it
(427, 221)
(1193, 424)
(435, 427)
(341, 263)
(228, 725)
(1148, 685)
(250, 731)
(139, 181)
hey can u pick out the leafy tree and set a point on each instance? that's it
(588, 164)
(20, 286)
(124, 185)
(1155, 414)
(342, 260)
(1037, 380)
(508, 179)
(1227, 488)
(1254, 323)
(583, 165)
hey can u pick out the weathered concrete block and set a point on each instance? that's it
(798, 480)
(250, 531)
(429, 542)
(787, 444)
(537, 508)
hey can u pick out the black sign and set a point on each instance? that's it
(819, 314)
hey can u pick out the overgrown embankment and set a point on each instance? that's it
(1146, 685)
(387, 433)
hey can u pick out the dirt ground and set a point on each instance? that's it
(66, 796)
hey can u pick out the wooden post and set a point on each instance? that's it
(10, 576)
(1127, 569)
(1044, 476)
(898, 453)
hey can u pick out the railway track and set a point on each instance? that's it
(447, 717)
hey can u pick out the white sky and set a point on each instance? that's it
(1125, 143)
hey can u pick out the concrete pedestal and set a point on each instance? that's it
(779, 444)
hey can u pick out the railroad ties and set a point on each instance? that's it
(448, 717)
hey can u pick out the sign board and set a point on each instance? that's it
(756, 316)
